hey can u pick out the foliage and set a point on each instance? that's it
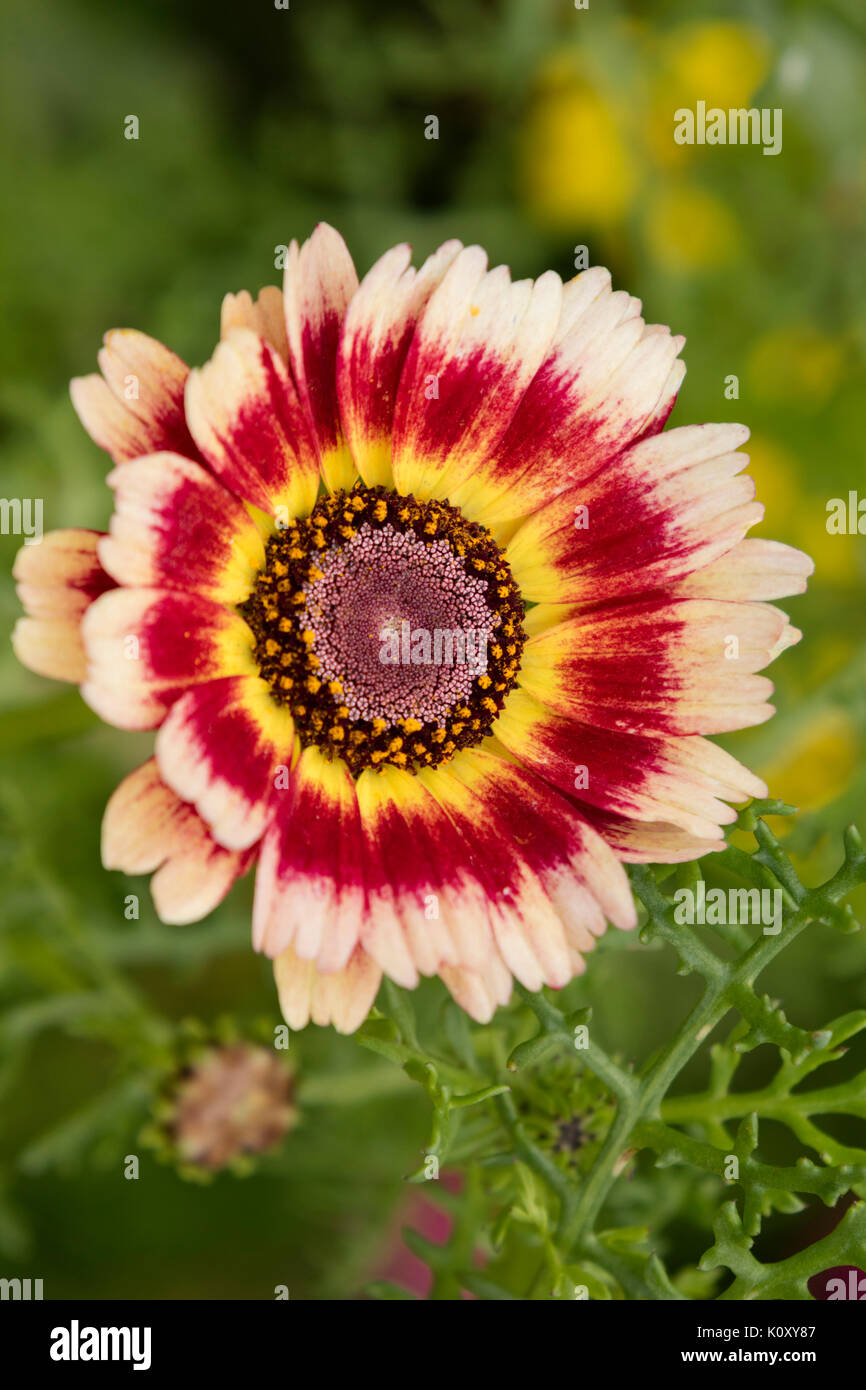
(563, 1215)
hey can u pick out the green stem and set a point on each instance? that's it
(700, 1108)
(579, 1214)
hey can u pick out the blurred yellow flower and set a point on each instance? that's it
(837, 558)
(777, 482)
(577, 167)
(798, 516)
(689, 229)
(720, 63)
(829, 743)
(797, 362)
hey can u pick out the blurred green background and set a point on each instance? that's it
(555, 130)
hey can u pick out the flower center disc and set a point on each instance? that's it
(391, 628)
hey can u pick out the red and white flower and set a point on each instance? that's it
(426, 447)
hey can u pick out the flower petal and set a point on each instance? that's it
(527, 848)
(146, 828)
(61, 576)
(57, 581)
(477, 346)
(649, 842)
(341, 997)
(309, 886)
(423, 897)
(244, 415)
(264, 316)
(51, 647)
(606, 380)
(670, 505)
(220, 746)
(683, 781)
(656, 667)
(146, 646)
(753, 569)
(479, 992)
(175, 526)
(136, 406)
(574, 865)
(377, 330)
(320, 281)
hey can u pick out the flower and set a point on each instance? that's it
(690, 229)
(577, 165)
(810, 362)
(721, 63)
(432, 449)
(829, 740)
(229, 1102)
